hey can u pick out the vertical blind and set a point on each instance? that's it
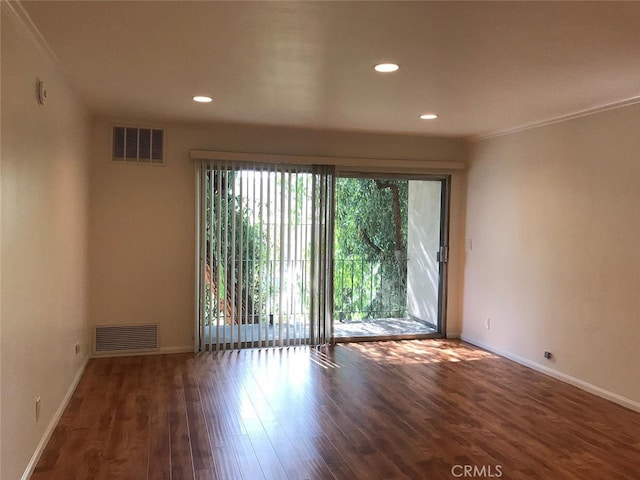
(265, 255)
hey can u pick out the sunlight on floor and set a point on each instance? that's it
(419, 351)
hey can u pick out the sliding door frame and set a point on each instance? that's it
(445, 200)
(445, 212)
(345, 166)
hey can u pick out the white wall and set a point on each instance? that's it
(142, 233)
(43, 245)
(423, 243)
(553, 221)
(1, 382)
(141, 243)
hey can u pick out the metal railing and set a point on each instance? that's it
(363, 289)
(369, 289)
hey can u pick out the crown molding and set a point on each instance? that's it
(17, 13)
(560, 118)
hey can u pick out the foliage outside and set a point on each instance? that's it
(246, 208)
(370, 249)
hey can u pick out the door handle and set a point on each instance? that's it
(443, 254)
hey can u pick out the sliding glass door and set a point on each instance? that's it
(264, 266)
(390, 246)
(290, 255)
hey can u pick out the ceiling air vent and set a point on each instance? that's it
(138, 145)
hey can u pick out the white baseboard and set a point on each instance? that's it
(185, 349)
(576, 382)
(159, 351)
(53, 423)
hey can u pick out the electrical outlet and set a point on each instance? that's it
(38, 402)
(77, 348)
(547, 355)
(487, 323)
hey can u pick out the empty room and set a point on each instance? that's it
(319, 240)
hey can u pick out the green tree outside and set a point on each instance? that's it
(370, 248)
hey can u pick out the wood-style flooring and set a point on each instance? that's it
(431, 409)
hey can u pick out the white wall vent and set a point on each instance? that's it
(138, 145)
(125, 338)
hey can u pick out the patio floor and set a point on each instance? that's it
(293, 335)
(381, 327)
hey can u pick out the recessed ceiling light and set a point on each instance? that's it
(386, 67)
(202, 99)
(428, 116)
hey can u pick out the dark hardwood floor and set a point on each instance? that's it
(413, 409)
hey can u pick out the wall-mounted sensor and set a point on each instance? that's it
(41, 92)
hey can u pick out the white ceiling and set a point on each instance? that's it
(484, 67)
